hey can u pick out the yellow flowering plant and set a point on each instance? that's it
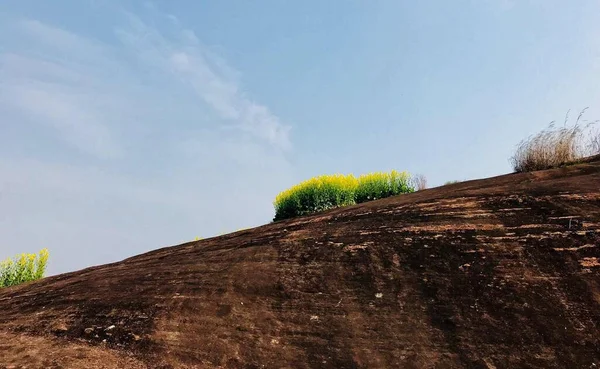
(331, 191)
(23, 268)
(379, 185)
(41, 262)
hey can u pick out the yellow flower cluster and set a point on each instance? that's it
(340, 183)
(330, 191)
(23, 268)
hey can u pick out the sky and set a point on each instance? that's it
(127, 126)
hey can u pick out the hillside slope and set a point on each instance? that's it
(495, 273)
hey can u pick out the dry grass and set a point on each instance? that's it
(556, 146)
(595, 142)
(419, 182)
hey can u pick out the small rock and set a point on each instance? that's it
(109, 328)
(88, 330)
(314, 317)
(60, 328)
(379, 295)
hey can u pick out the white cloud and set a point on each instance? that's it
(54, 90)
(108, 150)
(208, 75)
(58, 38)
(66, 111)
(55, 65)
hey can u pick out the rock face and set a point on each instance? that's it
(495, 273)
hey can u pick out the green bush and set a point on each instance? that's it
(379, 185)
(23, 268)
(316, 194)
(331, 191)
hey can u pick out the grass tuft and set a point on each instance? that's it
(419, 182)
(556, 146)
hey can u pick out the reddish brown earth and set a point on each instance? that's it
(495, 273)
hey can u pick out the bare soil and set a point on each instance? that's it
(496, 273)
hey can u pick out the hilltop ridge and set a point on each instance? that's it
(501, 272)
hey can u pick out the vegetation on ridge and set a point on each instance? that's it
(556, 146)
(23, 268)
(331, 191)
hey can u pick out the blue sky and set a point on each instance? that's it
(128, 125)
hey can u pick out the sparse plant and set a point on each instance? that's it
(419, 182)
(451, 182)
(595, 142)
(23, 268)
(330, 191)
(556, 146)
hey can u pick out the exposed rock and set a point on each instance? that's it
(485, 274)
(60, 328)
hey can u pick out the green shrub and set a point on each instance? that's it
(379, 185)
(331, 191)
(451, 182)
(316, 194)
(23, 268)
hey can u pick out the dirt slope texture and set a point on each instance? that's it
(495, 273)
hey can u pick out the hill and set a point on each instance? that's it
(495, 273)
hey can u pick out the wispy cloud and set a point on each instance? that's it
(64, 110)
(113, 148)
(60, 39)
(41, 83)
(183, 55)
(63, 80)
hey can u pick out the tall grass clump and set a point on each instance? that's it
(556, 146)
(331, 191)
(23, 268)
(419, 182)
(595, 142)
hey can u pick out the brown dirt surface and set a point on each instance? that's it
(495, 273)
